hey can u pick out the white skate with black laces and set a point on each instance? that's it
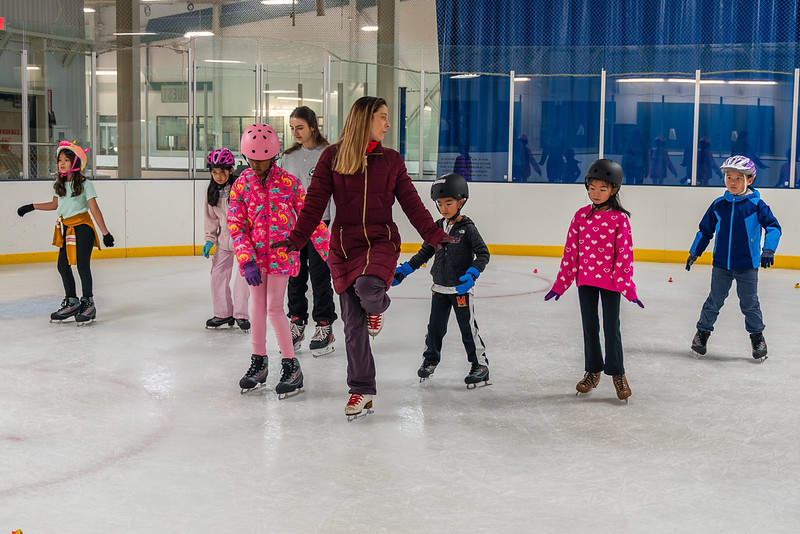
(358, 406)
(322, 340)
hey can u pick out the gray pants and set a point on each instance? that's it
(746, 288)
(366, 295)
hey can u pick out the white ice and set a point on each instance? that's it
(136, 424)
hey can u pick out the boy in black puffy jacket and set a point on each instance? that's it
(455, 269)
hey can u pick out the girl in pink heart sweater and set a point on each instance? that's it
(598, 255)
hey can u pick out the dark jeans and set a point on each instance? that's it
(366, 295)
(84, 241)
(746, 288)
(437, 328)
(589, 298)
(312, 264)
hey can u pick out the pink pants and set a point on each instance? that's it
(267, 301)
(221, 269)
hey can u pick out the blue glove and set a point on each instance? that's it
(690, 260)
(469, 278)
(767, 258)
(403, 270)
(252, 274)
(207, 248)
(551, 294)
(638, 303)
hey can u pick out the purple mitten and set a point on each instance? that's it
(551, 294)
(252, 274)
(638, 303)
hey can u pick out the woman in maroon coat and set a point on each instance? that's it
(364, 179)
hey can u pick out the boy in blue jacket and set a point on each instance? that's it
(736, 218)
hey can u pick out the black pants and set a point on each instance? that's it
(311, 263)
(84, 241)
(589, 297)
(437, 328)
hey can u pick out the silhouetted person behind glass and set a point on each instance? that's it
(633, 158)
(523, 160)
(463, 164)
(706, 164)
(660, 162)
(571, 169)
(741, 147)
(553, 155)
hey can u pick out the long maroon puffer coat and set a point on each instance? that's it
(364, 238)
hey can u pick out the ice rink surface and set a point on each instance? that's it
(136, 424)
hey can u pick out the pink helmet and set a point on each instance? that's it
(220, 157)
(260, 142)
(80, 154)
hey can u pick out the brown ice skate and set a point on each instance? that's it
(588, 382)
(621, 385)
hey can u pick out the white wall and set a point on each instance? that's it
(168, 213)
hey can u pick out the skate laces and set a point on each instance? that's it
(619, 382)
(588, 379)
(255, 367)
(355, 399)
(297, 328)
(375, 322)
(287, 369)
(322, 332)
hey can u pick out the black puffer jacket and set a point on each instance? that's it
(452, 261)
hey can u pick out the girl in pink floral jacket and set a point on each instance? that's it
(598, 255)
(264, 204)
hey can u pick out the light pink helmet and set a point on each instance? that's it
(260, 142)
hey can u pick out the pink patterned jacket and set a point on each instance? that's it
(599, 253)
(261, 214)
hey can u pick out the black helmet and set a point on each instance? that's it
(450, 185)
(604, 169)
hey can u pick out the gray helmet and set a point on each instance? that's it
(450, 185)
(604, 169)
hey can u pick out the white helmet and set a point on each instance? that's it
(739, 164)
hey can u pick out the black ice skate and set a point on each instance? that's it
(759, 346)
(322, 341)
(425, 370)
(298, 328)
(478, 374)
(257, 374)
(243, 324)
(70, 307)
(291, 378)
(358, 406)
(699, 343)
(216, 322)
(87, 312)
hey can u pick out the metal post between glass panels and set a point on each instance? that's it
(93, 118)
(190, 111)
(510, 126)
(25, 146)
(602, 133)
(696, 126)
(421, 122)
(793, 148)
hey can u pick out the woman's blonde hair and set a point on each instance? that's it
(352, 154)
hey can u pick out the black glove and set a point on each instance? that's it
(692, 258)
(108, 240)
(27, 208)
(767, 258)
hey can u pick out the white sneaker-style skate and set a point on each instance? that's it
(374, 323)
(358, 406)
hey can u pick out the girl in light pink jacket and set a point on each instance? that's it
(598, 255)
(264, 204)
(227, 310)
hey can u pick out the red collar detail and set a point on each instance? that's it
(371, 146)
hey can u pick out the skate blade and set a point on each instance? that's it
(366, 412)
(477, 385)
(289, 394)
(761, 359)
(322, 352)
(84, 323)
(250, 390)
(696, 355)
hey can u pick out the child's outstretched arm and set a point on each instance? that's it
(43, 206)
(569, 261)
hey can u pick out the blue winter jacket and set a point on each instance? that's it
(737, 222)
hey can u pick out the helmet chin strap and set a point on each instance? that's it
(73, 169)
(454, 217)
(600, 206)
